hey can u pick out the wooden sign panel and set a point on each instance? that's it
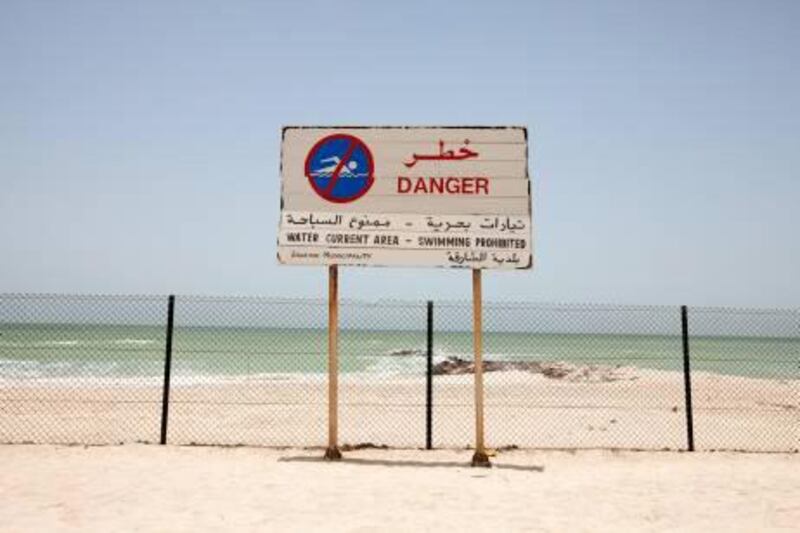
(405, 196)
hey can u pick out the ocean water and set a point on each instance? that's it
(125, 354)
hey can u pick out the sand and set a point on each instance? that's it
(643, 411)
(170, 488)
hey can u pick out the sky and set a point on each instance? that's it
(139, 141)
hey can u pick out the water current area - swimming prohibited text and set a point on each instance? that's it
(340, 168)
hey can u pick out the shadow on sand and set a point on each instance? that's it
(414, 464)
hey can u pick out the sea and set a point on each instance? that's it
(135, 354)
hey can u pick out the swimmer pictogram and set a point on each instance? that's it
(340, 168)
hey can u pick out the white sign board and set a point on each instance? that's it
(405, 196)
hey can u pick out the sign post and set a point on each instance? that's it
(452, 197)
(480, 458)
(332, 453)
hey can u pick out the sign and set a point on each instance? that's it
(405, 196)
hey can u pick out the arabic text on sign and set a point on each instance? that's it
(449, 155)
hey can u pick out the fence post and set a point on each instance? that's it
(167, 368)
(687, 378)
(429, 382)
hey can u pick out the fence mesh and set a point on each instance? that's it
(90, 370)
(746, 378)
(382, 383)
(81, 369)
(248, 371)
(565, 376)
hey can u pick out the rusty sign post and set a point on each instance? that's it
(480, 457)
(455, 197)
(332, 452)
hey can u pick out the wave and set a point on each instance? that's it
(78, 342)
(34, 380)
(40, 344)
(133, 342)
(406, 361)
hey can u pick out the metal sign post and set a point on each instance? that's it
(480, 458)
(333, 453)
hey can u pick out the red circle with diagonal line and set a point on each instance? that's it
(348, 153)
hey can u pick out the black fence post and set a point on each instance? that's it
(167, 368)
(429, 382)
(687, 378)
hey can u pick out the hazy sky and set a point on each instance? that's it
(139, 141)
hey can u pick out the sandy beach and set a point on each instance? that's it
(640, 410)
(170, 488)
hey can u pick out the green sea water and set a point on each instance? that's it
(124, 353)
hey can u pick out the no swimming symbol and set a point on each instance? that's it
(340, 168)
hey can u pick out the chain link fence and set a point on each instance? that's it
(746, 379)
(81, 369)
(248, 371)
(230, 371)
(568, 376)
